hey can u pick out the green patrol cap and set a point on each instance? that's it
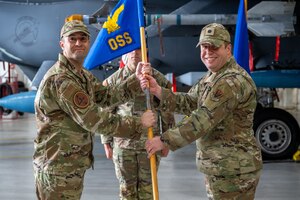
(73, 27)
(214, 34)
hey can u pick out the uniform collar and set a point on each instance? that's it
(71, 67)
(126, 71)
(211, 76)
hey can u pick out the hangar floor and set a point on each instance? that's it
(177, 177)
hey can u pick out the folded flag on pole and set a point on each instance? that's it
(241, 42)
(120, 34)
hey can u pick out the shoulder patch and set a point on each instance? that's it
(218, 93)
(81, 99)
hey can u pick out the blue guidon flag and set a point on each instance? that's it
(119, 35)
(241, 43)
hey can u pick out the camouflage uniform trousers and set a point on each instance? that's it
(235, 187)
(62, 187)
(134, 174)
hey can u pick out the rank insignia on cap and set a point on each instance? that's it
(210, 31)
(81, 99)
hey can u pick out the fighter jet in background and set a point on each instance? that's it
(30, 38)
(30, 30)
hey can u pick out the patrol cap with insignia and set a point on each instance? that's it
(73, 27)
(214, 34)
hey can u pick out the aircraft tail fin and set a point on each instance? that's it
(277, 18)
(104, 11)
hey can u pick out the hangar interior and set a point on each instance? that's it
(178, 177)
(29, 43)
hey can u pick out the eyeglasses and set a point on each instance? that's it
(73, 39)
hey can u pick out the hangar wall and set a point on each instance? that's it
(289, 98)
(289, 101)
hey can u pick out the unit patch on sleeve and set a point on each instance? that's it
(218, 93)
(81, 99)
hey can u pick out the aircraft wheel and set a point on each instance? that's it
(277, 133)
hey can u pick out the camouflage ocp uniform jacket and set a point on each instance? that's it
(68, 113)
(220, 108)
(136, 107)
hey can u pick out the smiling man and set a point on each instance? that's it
(220, 109)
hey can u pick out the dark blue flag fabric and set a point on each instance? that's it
(241, 42)
(120, 34)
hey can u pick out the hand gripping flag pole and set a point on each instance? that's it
(147, 92)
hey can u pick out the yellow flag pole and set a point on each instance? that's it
(147, 92)
(150, 130)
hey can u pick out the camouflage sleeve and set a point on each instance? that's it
(178, 102)
(222, 98)
(161, 79)
(89, 115)
(167, 118)
(111, 80)
(117, 94)
(108, 138)
(105, 139)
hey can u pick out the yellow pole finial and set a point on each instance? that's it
(74, 17)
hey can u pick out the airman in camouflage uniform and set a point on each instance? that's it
(220, 110)
(130, 156)
(69, 111)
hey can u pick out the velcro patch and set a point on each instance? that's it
(218, 93)
(215, 96)
(81, 99)
(210, 31)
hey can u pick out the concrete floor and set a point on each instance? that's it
(177, 177)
